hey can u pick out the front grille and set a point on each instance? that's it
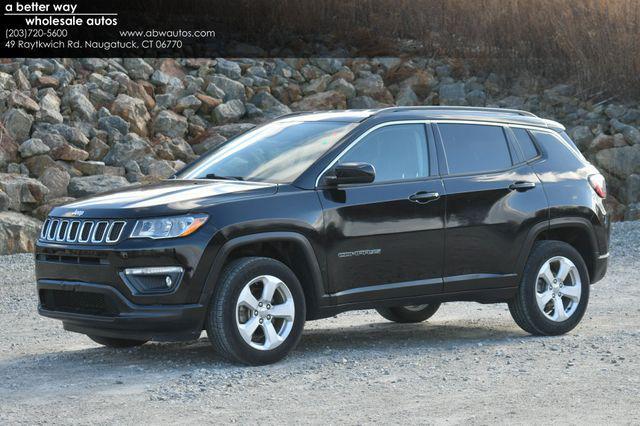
(82, 231)
(78, 302)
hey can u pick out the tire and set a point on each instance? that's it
(536, 286)
(409, 314)
(112, 342)
(242, 284)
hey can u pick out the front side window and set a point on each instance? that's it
(278, 152)
(475, 148)
(397, 152)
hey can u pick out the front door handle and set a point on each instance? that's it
(424, 197)
(522, 186)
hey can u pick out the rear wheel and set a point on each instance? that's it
(257, 313)
(409, 313)
(112, 342)
(554, 292)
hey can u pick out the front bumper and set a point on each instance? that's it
(101, 310)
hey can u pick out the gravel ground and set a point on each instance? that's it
(469, 364)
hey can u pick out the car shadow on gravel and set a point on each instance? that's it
(357, 339)
(390, 336)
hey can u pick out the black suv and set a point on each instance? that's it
(397, 209)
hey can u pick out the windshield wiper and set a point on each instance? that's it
(215, 176)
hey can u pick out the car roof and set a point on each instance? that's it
(498, 115)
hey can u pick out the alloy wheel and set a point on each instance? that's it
(558, 288)
(265, 312)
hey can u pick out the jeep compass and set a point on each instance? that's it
(398, 210)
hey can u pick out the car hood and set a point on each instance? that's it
(161, 199)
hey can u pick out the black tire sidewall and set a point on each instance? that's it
(401, 314)
(226, 299)
(543, 252)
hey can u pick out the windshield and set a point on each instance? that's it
(278, 152)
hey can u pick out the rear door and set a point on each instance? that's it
(493, 198)
(385, 239)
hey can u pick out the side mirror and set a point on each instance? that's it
(351, 173)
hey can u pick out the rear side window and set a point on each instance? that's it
(526, 143)
(475, 148)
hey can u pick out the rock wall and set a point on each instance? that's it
(73, 128)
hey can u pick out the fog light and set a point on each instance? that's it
(153, 279)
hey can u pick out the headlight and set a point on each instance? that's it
(168, 227)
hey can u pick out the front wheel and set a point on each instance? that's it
(257, 312)
(409, 313)
(554, 292)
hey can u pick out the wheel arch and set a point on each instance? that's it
(575, 231)
(291, 248)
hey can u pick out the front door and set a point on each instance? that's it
(385, 239)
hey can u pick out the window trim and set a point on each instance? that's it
(509, 147)
(439, 148)
(333, 162)
(533, 141)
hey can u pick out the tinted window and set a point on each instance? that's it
(473, 148)
(526, 143)
(397, 152)
(276, 152)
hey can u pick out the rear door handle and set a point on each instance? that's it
(522, 186)
(424, 197)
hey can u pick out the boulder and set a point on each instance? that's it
(343, 86)
(452, 94)
(322, 101)
(363, 102)
(211, 141)
(8, 149)
(229, 111)
(269, 105)
(24, 193)
(132, 147)
(632, 212)
(407, 97)
(18, 99)
(97, 149)
(188, 102)
(620, 162)
(137, 68)
(49, 111)
(582, 136)
(79, 103)
(92, 185)
(134, 111)
(56, 181)
(39, 163)
(231, 88)
(316, 85)
(32, 147)
(113, 123)
(208, 103)
(89, 168)
(232, 129)
(18, 233)
(170, 124)
(373, 86)
(4, 201)
(18, 123)
(477, 98)
(43, 211)
(228, 68)
(68, 152)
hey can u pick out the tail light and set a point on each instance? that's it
(599, 185)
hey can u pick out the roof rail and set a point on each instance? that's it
(459, 108)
